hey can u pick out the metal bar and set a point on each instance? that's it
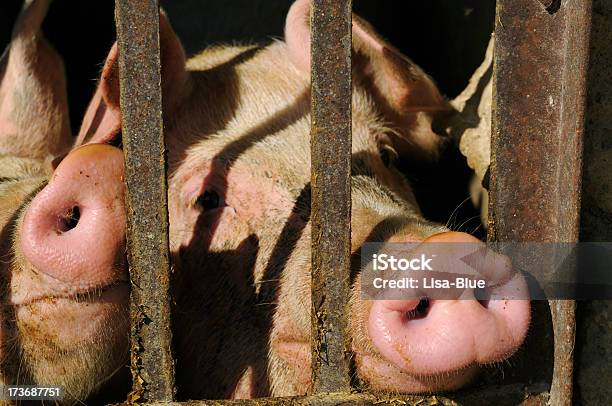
(538, 118)
(515, 394)
(331, 37)
(146, 199)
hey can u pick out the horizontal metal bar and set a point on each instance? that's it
(538, 118)
(517, 394)
(146, 199)
(331, 193)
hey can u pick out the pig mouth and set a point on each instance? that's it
(97, 293)
(381, 374)
(111, 291)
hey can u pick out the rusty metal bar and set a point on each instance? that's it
(505, 395)
(146, 199)
(538, 118)
(331, 37)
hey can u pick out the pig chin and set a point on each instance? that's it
(69, 335)
(381, 374)
(71, 320)
(76, 344)
(70, 313)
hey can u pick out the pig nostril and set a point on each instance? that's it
(69, 220)
(420, 311)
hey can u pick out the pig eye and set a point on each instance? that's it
(209, 200)
(388, 155)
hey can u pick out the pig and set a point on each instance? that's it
(88, 345)
(236, 123)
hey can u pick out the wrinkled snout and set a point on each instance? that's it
(74, 229)
(425, 337)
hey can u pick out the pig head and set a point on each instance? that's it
(64, 318)
(237, 123)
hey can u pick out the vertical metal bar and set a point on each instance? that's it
(538, 118)
(146, 198)
(331, 192)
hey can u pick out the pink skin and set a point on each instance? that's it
(429, 345)
(65, 318)
(79, 256)
(33, 102)
(441, 349)
(68, 282)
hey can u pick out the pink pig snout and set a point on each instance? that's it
(452, 334)
(74, 229)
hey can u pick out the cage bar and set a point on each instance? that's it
(505, 395)
(537, 117)
(331, 38)
(146, 199)
(540, 72)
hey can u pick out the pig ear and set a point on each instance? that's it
(407, 97)
(102, 120)
(34, 119)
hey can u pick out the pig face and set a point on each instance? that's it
(237, 123)
(62, 325)
(65, 318)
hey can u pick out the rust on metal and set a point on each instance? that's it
(146, 199)
(505, 395)
(331, 37)
(538, 118)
